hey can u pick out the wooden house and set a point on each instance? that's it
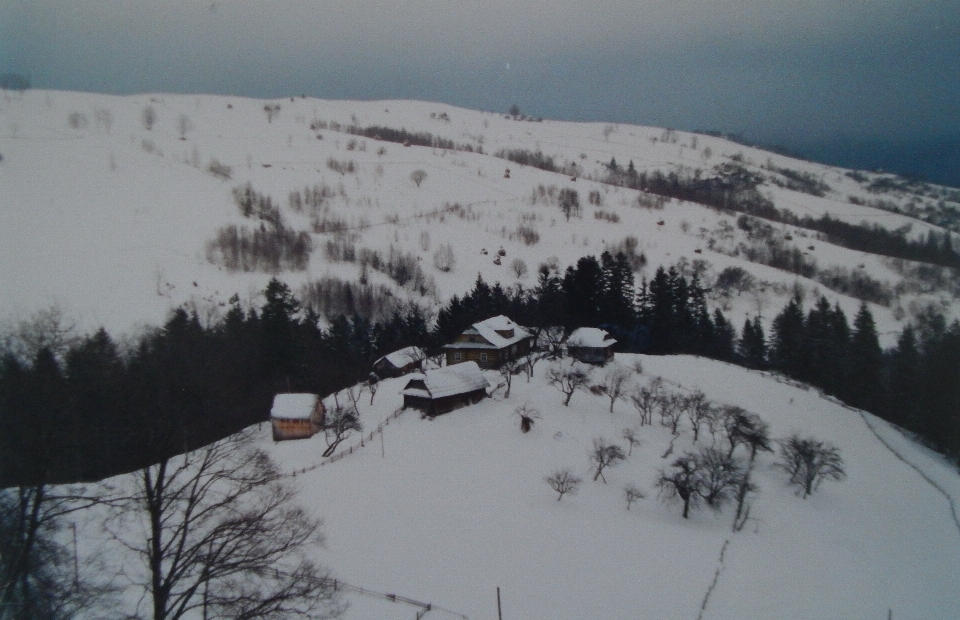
(489, 343)
(399, 362)
(591, 345)
(296, 416)
(445, 389)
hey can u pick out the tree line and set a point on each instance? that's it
(90, 410)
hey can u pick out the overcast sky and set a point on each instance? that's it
(806, 74)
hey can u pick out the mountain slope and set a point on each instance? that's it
(454, 507)
(111, 220)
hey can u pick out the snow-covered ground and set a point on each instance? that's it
(110, 220)
(446, 510)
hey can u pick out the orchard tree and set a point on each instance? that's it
(563, 482)
(809, 462)
(632, 493)
(681, 482)
(604, 455)
(615, 384)
(568, 377)
(337, 427)
(418, 176)
(527, 414)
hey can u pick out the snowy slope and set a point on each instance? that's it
(110, 220)
(444, 511)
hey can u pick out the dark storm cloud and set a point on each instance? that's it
(800, 72)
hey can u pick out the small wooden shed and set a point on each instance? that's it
(445, 389)
(591, 345)
(399, 362)
(296, 416)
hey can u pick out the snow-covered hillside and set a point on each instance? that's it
(108, 206)
(446, 510)
(110, 219)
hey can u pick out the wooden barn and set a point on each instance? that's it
(445, 389)
(296, 416)
(489, 343)
(591, 345)
(399, 362)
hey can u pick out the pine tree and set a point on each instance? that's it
(787, 352)
(703, 328)
(905, 380)
(617, 305)
(583, 292)
(866, 359)
(752, 347)
(724, 337)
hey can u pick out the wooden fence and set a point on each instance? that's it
(364, 440)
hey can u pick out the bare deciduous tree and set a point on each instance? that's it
(631, 436)
(568, 377)
(527, 414)
(519, 267)
(645, 400)
(418, 176)
(681, 483)
(563, 482)
(184, 125)
(697, 408)
(272, 109)
(709, 476)
(809, 462)
(507, 370)
(337, 427)
(632, 493)
(604, 455)
(37, 580)
(719, 475)
(551, 340)
(615, 384)
(443, 258)
(671, 411)
(373, 384)
(220, 536)
(149, 117)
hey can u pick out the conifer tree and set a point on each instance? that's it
(752, 348)
(583, 290)
(866, 359)
(724, 337)
(787, 352)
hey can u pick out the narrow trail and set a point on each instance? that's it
(931, 481)
(716, 577)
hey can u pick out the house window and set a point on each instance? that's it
(458, 356)
(483, 357)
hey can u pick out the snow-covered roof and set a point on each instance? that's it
(457, 379)
(500, 331)
(401, 358)
(591, 337)
(293, 406)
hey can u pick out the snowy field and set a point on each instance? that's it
(110, 220)
(446, 510)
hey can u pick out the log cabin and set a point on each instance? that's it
(445, 389)
(489, 343)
